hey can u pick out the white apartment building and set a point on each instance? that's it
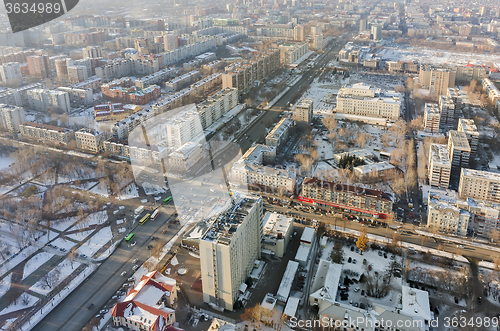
(318, 42)
(183, 127)
(217, 106)
(432, 117)
(276, 235)
(439, 166)
(46, 132)
(11, 117)
(18, 96)
(155, 78)
(491, 90)
(304, 111)
(90, 140)
(279, 134)
(182, 81)
(447, 108)
(185, 157)
(478, 184)
(290, 53)
(207, 83)
(446, 216)
(364, 100)
(228, 251)
(458, 149)
(469, 128)
(437, 79)
(79, 96)
(10, 73)
(41, 99)
(485, 215)
(77, 74)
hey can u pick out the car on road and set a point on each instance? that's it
(115, 297)
(460, 246)
(104, 311)
(83, 255)
(135, 267)
(62, 249)
(133, 244)
(131, 279)
(90, 306)
(135, 260)
(123, 273)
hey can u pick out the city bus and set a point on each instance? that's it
(144, 219)
(129, 237)
(167, 200)
(155, 213)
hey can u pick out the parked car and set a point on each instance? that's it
(135, 260)
(135, 267)
(131, 279)
(123, 273)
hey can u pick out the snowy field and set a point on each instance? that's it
(433, 56)
(5, 284)
(63, 243)
(35, 262)
(5, 162)
(64, 269)
(129, 192)
(25, 301)
(79, 236)
(63, 223)
(91, 246)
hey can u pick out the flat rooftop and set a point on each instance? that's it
(481, 174)
(439, 154)
(459, 140)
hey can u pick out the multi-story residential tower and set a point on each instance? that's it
(458, 149)
(469, 128)
(447, 109)
(38, 66)
(439, 166)
(478, 184)
(10, 73)
(432, 117)
(228, 251)
(304, 111)
(11, 117)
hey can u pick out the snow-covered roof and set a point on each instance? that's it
(302, 253)
(308, 235)
(286, 281)
(416, 303)
(291, 306)
(275, 223)
(326, 281)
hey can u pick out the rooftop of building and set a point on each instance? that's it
(326, 281)
(275, 224)
(481, 174)
(459, 140)
(283, 125)
(225, 225)
(468, 126)
(89, 132)
(253, 154)
(311, 181)
(439, 154)
(47, 127)
(369, 168)
(432, 108)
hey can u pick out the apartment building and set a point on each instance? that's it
(149, 305)
(93, 83)
(79, 97)
(182, 81)
(41, 99)
(185, 157)
(90, 140)
(290, 53)
(92, 52)
(109, 111)
(476, 184)
(446, 216)
(491, 90)
(365, 100)
(485, 215)
(439, 166)
(458, 149)
(298, 33)
(155, 78)
(459, 97)
(353, 198)
(217, 106)
(10, 73)
(437, 79)
(304, 111)
(77, 73)
(207, 84)
(183, 127)
(243, 74)
(46, 132)
(278, 136)
(432, 117)
(38, 66)
(402, 67)
(469, 128)
(11, 117)
(447, 109)
(228, 251)
(18, 96)
(121, 90)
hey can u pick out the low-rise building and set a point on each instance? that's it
(446, 216)
(186, 156)
(11, 117)
(354, 198)
(90, 140)
(109, 111)
(439, 166)
(148, 306)
(432, 117)
(46, 132)
(277, 232)
(279, 134)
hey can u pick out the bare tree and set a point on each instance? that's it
(51, 278)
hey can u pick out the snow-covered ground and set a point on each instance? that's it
(129, 192)
(25, 301)
(64, 269)
(91, 246)
(15, 260)
(80, 235)
(35, 262)
(63, 243)
(5, 162)
(100, 191)
(5, 284)
(63, 223)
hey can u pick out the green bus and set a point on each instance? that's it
(167, 200)
(129, 237)
(144, 219)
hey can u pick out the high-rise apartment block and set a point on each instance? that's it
(298, 33)
(11, 117)
(458, 149)
(432, 117)
(376, 32)
(436, 79)
(38, 66)
(439, 166)
(289, 53)
(92, 52)
(469, 128)
(10, 73)
(304, 111)
(41, 99)
(478, 184)
(228, 251)
(447, 109)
